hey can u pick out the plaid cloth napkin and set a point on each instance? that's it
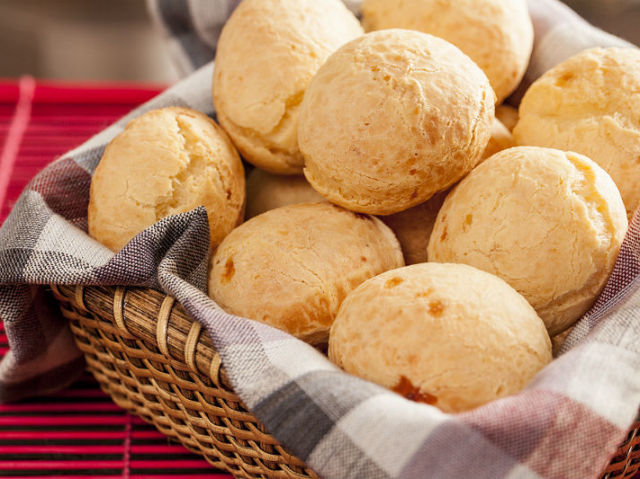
(564, 425)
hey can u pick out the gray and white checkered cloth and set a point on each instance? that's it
(565, 424)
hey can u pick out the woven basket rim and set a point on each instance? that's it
(173, 324)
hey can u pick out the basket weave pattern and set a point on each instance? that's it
(153, 361)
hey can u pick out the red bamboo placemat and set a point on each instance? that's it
(78, 432)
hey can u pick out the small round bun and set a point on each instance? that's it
(507, 115)
(550, 223)
(496, 34)
(501, 139)
(590, 104)
(444, 334)
(413, 227)
(392, 118)
(291, 267)
(266, 191)
(165, 162)
(267, 53)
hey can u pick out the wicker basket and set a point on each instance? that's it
(152, 359)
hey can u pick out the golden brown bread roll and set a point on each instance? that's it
(496, 34)
(266, 191)
(413, 227)
(501, 139)
(550, 223)
(165, 162)
(267, 53)
(392, 118)
(590, 104)
(507, 115)
(444, 334)
(291, 267)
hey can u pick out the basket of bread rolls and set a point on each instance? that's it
(369, 193)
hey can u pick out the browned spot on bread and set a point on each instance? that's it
(443, 236)
(363, 259)
(424, 294)
(229, 271)
(467, 222)
(436, 308)
(413, 171)
(393, 282)
(408, 390)
(564, 79)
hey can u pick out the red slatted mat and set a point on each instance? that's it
(78, 432)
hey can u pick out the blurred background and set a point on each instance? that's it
(114, 40)
(620, 17)
(82, 40)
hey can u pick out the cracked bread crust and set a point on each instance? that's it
(550, 223)
(496, 34)
(291, 267)
(460, 336)
(165, 162)
(590, 104)
(392, 118)
(267, 53)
